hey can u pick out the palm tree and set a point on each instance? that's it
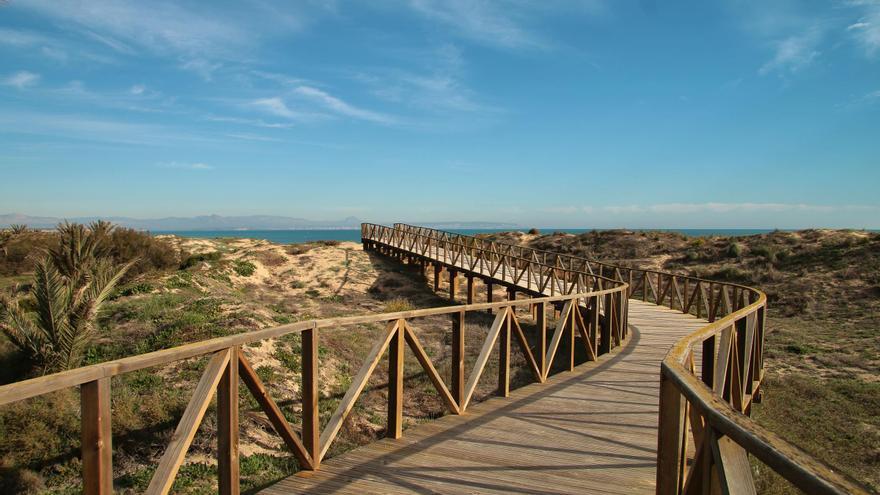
(18, 228)
(71, 283)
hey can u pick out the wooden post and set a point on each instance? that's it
(708, 360)
(310, 430)
(227, 428)
(541, 314)
(594, 322)
(395, 383)
(453, 284)
(504, 357)
(470, 289)
(97, 437)
(458, 375)
(489, 295)
(605, 341)
(437, 270)
(669, 437)
(572, 321)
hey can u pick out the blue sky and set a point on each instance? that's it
(556, 113)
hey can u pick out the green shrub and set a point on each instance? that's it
(735, 250)
(244, 268)
(151, 253)
(134, 289)
(195, 259)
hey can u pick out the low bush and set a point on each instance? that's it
(244, 268)
(398, 304)
(195, 259)
(151, 253)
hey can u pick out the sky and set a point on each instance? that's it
(559, 113)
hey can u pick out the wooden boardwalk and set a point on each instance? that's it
(593, 430)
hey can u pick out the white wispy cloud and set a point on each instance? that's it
(793, 53)
(275, 106)
(137, 89)
(158, 26)
(487, 22)
(502, 23)
(249, 122)
(21, 79)
(866, 30)
(438, 86)
(185, 165)
(202, 67)
(340, 107)
(18, 37)
(97, 130)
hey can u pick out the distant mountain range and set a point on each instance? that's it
(217, 222)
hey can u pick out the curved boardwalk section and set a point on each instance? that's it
(592, 430)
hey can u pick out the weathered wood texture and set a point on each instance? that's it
(592, 430)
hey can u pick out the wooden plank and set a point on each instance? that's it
(273, 412)
(669, 439)
(541, 314)
(557, 336)
(483, 357)
(310, 413)
(171, 460)
(355, 389)
(524, 345)
(584, 331)
(428, 366)
(457, 377)
(97, 437)
(395, 382)
(732, 464)
(504, 354)
(227, 428)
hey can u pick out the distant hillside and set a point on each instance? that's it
(205, 222)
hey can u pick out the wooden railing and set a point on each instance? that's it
(588, 306)
(705, 435)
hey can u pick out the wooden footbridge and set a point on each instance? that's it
(659, 372)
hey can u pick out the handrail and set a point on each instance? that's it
(587, 304)
(713, 414)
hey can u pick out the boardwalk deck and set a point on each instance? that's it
(593, 430)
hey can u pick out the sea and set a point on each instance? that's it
(354, 235)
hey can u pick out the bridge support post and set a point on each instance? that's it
(310, 430)
(504, 356)
(438, 269)
(395, 383)
(458, 375)
(227, 428)
(489, 289)
(453, 284)
(97, 448)
(470, 289)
